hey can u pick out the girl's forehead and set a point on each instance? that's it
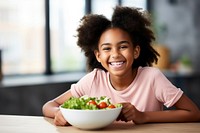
(114, 34)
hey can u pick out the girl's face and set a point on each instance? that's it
(116, 52)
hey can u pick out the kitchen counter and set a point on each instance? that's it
(34, 124)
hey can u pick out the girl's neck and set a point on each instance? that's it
(121, 83)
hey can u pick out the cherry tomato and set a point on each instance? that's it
(102, 105)
(92, 102)
(111, 106)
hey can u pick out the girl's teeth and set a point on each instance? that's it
(116, 63)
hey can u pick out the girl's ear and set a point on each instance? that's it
(97, 54)
(136, 51)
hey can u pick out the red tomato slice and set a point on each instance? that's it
(111, 106)
(102, 105)
(92, 102)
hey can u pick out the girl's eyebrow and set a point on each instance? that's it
(121, 42)
(104, 44)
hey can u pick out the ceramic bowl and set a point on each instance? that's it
(90, 119)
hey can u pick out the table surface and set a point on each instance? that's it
(34, 124)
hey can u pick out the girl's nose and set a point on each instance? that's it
(115, 53)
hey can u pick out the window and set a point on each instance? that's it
(136, 3)
(23, 34)
(64, 20)
(104, 7)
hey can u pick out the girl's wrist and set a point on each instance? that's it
(146, 118)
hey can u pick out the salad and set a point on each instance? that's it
(89, 103)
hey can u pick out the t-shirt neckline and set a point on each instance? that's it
(130, 86)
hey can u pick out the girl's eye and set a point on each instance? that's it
(106, 48)
(123, 47)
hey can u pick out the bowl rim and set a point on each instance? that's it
(89, 110)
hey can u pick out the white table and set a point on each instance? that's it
(39, 124)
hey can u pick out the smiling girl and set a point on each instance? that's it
(119, 57)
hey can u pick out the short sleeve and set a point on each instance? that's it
(83, 86)
(165, 91)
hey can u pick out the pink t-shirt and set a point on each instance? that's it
(148, 92)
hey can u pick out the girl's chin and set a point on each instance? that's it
(117, 73)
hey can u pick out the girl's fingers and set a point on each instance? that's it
(59, 119)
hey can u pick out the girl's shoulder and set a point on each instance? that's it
(89, 78)
(95, 73)
(148, 69)
(151, 71)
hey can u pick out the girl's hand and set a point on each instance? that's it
(130, 113)
(59, 119)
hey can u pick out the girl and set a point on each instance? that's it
(119, 57)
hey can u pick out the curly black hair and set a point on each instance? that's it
(132, 20)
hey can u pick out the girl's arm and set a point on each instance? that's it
(52, 107)
(186, 111)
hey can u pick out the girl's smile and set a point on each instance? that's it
(117, 65)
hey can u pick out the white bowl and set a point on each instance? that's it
(90, 119)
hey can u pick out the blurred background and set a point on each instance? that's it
(39, 58)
